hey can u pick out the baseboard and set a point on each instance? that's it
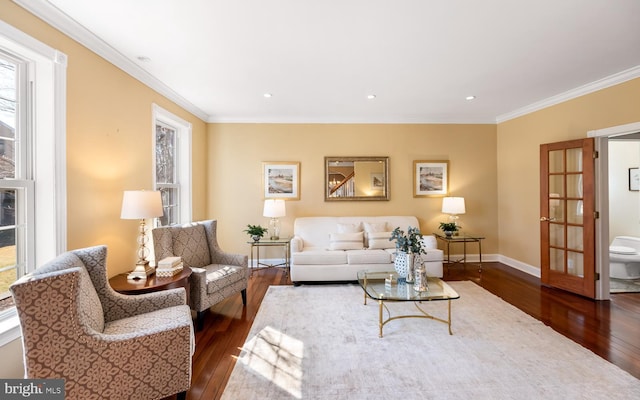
(510, 262)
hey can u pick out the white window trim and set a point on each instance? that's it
(183, 130)
(49, 150)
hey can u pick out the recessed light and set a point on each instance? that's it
(268, 95)
(470, 97)
(371, 96)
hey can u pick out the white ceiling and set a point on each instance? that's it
(320, 59)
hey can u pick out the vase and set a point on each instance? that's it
(403, 265)
(255, 238)
(420, 281)
(448, 233)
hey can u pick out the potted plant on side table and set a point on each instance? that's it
(449, 228)
(255, 231)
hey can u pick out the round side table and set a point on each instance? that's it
(121, 284)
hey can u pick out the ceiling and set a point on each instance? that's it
(321, 59)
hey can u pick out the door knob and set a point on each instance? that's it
(545, 219)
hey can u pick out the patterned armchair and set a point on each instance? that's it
(104, 344)
(216, 274)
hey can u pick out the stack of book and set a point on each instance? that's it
(168, 267)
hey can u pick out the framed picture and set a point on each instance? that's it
(281, 180)
(430, 178)
(377, 181)
(634, 179)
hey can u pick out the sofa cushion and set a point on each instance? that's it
(349, 228)
(319, 257)
(380, 240)
(346, 241)
(375, 227)
(368, 257)
(191, 243)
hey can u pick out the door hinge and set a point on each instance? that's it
(596, 214)
(595, 154)
(597, 276)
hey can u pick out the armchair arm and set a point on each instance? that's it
(222, 257)
(118, 306)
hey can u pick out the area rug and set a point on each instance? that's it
(321, 342)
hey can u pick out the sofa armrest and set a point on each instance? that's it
(429, 242)
(297, 244)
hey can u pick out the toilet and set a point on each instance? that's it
(624, 258)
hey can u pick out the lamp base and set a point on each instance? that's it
(142, 271)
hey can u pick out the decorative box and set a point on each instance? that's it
(167, 272)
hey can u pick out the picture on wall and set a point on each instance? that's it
(634, 179)
(430, 178)
(377, 181)
(281, 180)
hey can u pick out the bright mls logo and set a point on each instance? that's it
(40, 389)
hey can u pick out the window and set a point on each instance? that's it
(32, 121)
(16, 183)
(172, 143)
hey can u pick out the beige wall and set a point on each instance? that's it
(109, 137)
(518, 159)
(236, 153)
(109, 150)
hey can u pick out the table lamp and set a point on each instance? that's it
(453, 206)
(274, 209)
(141, 204)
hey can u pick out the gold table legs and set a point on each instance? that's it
(423, 314)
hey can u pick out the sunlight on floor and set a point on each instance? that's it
(277, 357)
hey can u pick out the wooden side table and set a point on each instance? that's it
(153, 283)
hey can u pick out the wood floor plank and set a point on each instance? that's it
(608, 328)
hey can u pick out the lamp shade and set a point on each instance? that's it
(274, 208)
(453, 205)
(141, 204)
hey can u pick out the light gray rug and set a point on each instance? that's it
(321, 342)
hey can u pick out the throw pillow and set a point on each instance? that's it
(349, 228)
(375, 227)
(346, 241)
(380, 240)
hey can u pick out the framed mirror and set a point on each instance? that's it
(356, 178)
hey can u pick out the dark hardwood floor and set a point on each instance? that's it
(610, 329)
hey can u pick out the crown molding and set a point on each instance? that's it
(600, 84)
(65, 24)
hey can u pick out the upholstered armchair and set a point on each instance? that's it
(104, 344)
(216, 275)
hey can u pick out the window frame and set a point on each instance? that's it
(183, 158)
(46, 122)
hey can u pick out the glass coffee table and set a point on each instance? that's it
(384, 286)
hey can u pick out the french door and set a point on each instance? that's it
(567, 216)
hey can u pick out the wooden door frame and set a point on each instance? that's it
(602, 201)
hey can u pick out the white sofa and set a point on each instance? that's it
(336, 248)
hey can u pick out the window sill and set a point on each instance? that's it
(9, 330)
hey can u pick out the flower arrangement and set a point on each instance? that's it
(410, 242)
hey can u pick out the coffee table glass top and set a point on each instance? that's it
(375, 287)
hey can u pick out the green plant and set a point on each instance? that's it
(255, 230)
(449, 226)
(410, 242)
